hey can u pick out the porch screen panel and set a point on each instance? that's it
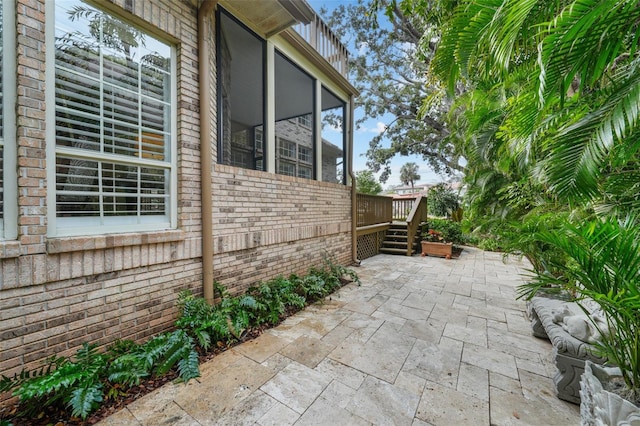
(241, 62)
(294, 119)
(1, 125)
(333, 137)
(113, 87)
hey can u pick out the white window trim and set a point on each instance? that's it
(9, 224)
(63, 227)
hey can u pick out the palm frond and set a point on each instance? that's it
(582, 41)
(580, 150)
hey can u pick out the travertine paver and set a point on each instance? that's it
(423, 341)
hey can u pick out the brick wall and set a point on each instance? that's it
(266, 225)
(56, 293)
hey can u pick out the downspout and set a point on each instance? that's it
(354, 202)
(204, 12)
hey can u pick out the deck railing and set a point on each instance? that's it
(326, 43)
(416, 216)
(373, 210)
(402, 207)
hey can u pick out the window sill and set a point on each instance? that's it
(97, 242)
(9, 249)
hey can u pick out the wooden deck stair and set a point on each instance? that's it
(395, 241)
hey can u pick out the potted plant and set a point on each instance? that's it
(603, 264)
(434, 244)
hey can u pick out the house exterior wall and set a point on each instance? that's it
(267, 225)
(56, 293)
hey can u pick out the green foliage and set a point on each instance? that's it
(80, 383)
(603, 266)
(449, 231)
(311, 286)
(442, 201)
(409, 174)
(74, 383)
(390, 69)
(273, 298)
(207, 324)
(366, 183)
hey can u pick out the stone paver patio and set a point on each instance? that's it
(423, 341)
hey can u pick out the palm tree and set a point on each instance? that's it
(409, 174)
(568, 124)
(579, 107)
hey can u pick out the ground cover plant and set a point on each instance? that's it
(93, 384)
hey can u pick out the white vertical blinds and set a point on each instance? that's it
(113, 119)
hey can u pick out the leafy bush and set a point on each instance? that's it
(77, 384)
(448, 230)
(442, 201)
(208, 324)
(604, 263)
(158, 355)
(83, 383)
(80, 384)
(273, 298)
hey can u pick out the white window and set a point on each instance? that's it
(259, 135)
(304, 154)
(286, 168)
(305, 172)
(305, 120)
(240, 158)
(114, 125)
(8, 178)
(287, 149)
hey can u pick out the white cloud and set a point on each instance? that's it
(363, 48)
(379, 128)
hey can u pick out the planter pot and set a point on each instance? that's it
(601, 407)
(437, 249)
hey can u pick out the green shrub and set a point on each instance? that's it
(75, 383)
(80, 383)
(273, 298)
(442, 201)
(450, 231)
(158, 355)
(604, 260)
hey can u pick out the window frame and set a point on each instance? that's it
(287, 149)
(296, 120)
(345, 152)
(277, 46)
(106, 224)
(259, 156)
(9, 217)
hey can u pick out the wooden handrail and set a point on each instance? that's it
(417, 215)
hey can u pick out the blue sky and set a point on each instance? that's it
(374, 126)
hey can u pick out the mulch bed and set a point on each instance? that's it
(59, 416)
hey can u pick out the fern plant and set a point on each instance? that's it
(78, 384)
(274, 297)
(311, 286)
